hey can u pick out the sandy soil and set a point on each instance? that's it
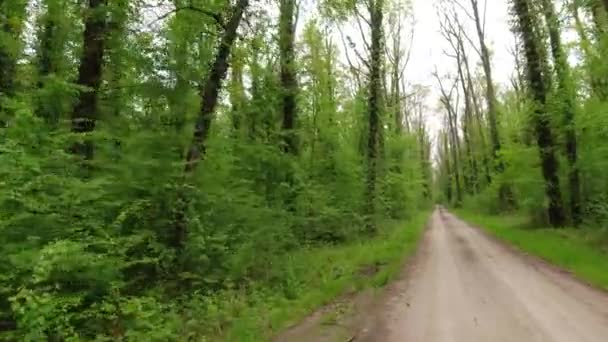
(465, 286)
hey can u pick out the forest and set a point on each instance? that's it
(170, 169)
(537, 144)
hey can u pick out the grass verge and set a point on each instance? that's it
(579, 251)
(310, 279)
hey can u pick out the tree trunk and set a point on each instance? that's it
(455, 147)
(374, 107)
(471, 179)
(563, 73)
(209, 93)
(85, 111)
(50, 55)
(12, 15)
(478, 119)
(424, 159)
(538, 86)
(211, 87)
(237, 95)
(490, 91)
(448, 168)
(288, 74)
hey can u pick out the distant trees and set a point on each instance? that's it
(561, 101)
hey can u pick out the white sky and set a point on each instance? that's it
(428, 47)
(428, 43)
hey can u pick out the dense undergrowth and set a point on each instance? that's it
(307, 279)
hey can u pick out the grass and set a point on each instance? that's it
(580, 251)
(312, 278)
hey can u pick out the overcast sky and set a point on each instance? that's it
(428, 44)
(428, 47)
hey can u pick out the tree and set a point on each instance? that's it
(484, 53)
(453, 147)
(288, 73)
(85, 112)
(52, 67)
(453, 33)
(374, 107)
(209, 92)
(565, 90)
(12, 15)
(538, 84)
(211, 87)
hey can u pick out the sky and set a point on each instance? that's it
(428, 47)
(428, 43)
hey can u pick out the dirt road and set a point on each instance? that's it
(466, 287)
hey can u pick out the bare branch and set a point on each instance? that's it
(215, 16)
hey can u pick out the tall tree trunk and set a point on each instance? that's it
(455, 147)
(116, 69)
(471, 179)
(85, 112)
(478, 119)
(211, 87)
(209, 93)
(597, 79)
(12, 15)
(566, 92)
(374, 108)
(448, 168)
(288, 74)
(50, 53)
(237, 95)
(424, 159)
(396, 84)
(490, 91)
(538, 85)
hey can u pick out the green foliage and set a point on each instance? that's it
(88, 245)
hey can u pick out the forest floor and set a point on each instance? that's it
(464, 285)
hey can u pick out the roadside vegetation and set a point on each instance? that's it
(309, 279)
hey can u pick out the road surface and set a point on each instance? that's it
(464, 286)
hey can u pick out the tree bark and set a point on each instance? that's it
(211, 87)
(538, 86)
(288, 74)
(209, 93)
(237, 95)
(374, 107)
(478, 119)
(490, 91)
(12, 15)
(85, 113)
(448, 168)
(471, 179)
(50, 55)
(563, 73)
(455, 146)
